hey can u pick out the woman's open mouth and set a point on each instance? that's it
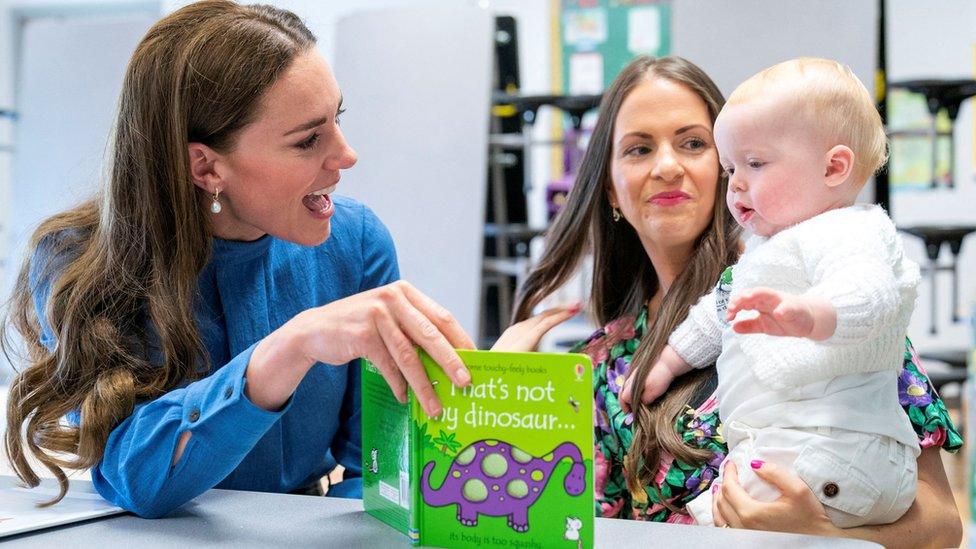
(319, 203)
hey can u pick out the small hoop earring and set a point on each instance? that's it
(215, 206)
(616, 215)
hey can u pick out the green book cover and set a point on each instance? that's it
(509, 462)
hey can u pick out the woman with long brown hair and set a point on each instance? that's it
(649, 203)
(199, 322)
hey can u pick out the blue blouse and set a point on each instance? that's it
(248, 290)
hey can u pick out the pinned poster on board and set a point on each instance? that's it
(604, 35)
(644, 30)
(585, 28)
(585, 73)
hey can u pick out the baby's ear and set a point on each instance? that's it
(839, 165)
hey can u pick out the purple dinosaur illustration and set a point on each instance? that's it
(494, 478)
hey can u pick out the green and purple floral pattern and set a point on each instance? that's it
(677, 483)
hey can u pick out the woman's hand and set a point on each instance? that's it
(797, 510)
(525, 336)
(382, 325)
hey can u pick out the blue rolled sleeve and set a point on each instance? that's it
(136, 472)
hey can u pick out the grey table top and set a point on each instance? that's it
(224, 518)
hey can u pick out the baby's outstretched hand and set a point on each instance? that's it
(782, 314)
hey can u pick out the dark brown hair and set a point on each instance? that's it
(623, 277)
(131, 257)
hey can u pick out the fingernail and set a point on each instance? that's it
(576, 307)
(756, 463)
(434, 407)
(714, 487)
(462, 376)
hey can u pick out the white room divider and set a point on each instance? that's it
(416, 83)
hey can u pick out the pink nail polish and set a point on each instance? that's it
(756, 463)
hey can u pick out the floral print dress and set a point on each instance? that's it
(611, 349)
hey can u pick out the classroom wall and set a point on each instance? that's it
(929, 39)
(532, 16)
(731, 42)
(935, 39)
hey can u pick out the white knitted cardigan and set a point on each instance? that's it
(853, 258)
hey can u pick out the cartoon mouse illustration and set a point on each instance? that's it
(573, 525)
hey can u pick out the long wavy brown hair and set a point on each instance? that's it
(130, 258)
(623, 279)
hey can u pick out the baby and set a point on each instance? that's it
(808, 373)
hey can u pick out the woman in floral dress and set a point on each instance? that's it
(648, 203)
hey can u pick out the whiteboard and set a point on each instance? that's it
(417, 85)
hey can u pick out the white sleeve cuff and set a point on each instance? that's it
(698, 340)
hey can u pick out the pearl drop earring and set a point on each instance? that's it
(215, 205)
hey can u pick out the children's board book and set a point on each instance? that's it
(508, 463)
